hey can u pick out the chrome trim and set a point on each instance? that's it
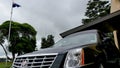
(54, 60)
(35, 60)
(37, 54)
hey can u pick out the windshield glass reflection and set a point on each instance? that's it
(81, 39)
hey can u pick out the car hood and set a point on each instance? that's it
(50, 50)
(59, 50)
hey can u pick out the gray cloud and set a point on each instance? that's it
(46, 16)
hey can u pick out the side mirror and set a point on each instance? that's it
(104, 42)
(106, 39)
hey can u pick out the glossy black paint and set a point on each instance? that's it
(95, 53)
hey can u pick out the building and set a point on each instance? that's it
(115, 5)
(109, 23)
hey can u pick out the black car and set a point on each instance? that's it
(86, 49)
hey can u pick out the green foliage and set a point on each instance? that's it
(45, 43)
(22, 37)
(2, 65)
(96, 9)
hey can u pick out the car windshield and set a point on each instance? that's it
(81, 39)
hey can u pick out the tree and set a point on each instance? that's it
(22, 37)
(50, 40)
(96, 9)
(45, 43)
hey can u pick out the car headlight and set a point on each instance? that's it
(75, 58)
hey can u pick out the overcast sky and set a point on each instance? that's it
(46, 16)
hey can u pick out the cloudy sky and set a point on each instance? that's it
(46, 16)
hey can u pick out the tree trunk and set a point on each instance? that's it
(13, 55)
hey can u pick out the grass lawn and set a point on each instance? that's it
(2, 64)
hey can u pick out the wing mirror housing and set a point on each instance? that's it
(103, 44)
(106, 39)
